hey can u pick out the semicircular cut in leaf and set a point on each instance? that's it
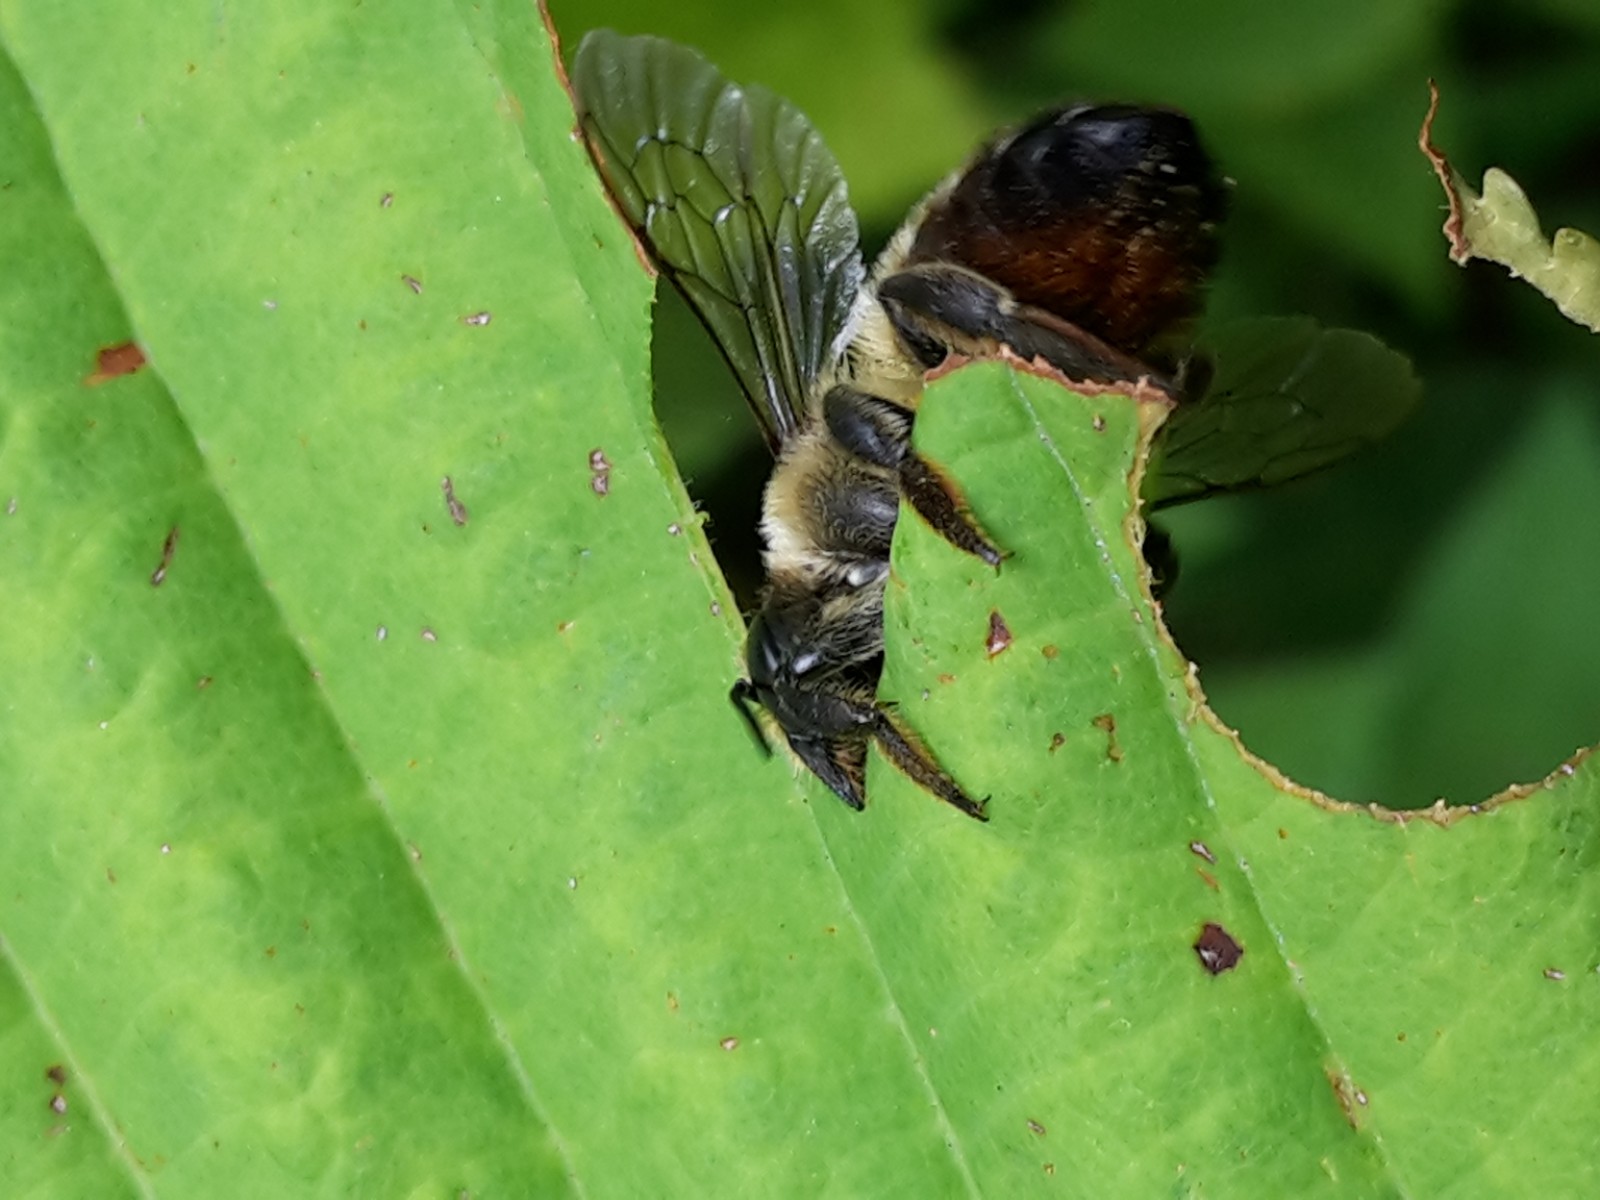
(1499, 224)
(1393, 964)
(1286, 398)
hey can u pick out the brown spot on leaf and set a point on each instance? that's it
(599, 472)
(998, 640)
(1350, 1097)
(1107, 724)
(1554, 973)
(1050, 651)
(1035, 1127)
(386, 200)
(477, 318)
(672, 1001)
(168, 548)
(58, 1104)
(1057, 740)
(729, 1043)
(1216, 949)
(1207, 878)
(113, 362)
(412, 282)
(458, 510)
(1204, 851)
(56, 1074)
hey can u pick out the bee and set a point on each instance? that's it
(1083, 238)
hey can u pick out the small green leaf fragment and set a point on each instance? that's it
(1500, 225)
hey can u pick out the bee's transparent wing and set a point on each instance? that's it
(739, 202)
(1286, 398)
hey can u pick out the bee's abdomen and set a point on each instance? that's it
(1105, 217)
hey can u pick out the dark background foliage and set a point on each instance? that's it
(1418, 623)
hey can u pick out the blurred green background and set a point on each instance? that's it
(1419, 622)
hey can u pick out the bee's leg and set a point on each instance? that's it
(840, 759)
(839, 762)
(937, 304)
(878, 431)
(937, 502)
(903, 749)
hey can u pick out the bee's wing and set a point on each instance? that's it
(739, 202)
(1286, 398)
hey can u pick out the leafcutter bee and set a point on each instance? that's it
(1082, 238)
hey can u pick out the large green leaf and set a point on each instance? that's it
(390, 847)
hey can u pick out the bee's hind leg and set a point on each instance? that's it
(938, 307)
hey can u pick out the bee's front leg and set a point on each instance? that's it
(912, 758)
(937, 502)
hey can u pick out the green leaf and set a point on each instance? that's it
(373, 853)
